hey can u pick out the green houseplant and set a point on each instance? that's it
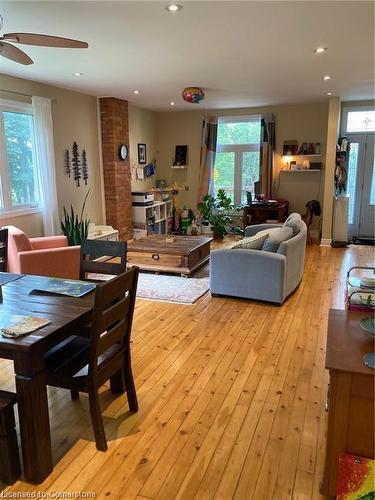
(74, 228)
(214, 212)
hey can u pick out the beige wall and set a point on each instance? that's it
(74, 119)
(142, 129)
(303, 123)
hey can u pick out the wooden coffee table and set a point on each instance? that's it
(182, 256)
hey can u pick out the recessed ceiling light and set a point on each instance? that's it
(136, 92)
(320, 50)
(77, 74)
(329, 93)
(326, 77)
(173, 7)
(171, 103)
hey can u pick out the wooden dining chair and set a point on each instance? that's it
(96, 256)
(85, 364)
(4, 250)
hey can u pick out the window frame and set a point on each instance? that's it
(238, 150)
(8, 210)
(344, 118)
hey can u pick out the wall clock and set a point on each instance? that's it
(123, 151)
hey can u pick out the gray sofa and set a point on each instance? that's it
(260, 275)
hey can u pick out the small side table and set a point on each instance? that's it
(351, 393)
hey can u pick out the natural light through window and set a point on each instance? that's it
(372, 192)
(361, 121)
(352, 177)
(238, 156)
(19, 174)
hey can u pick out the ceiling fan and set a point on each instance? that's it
(17, 55)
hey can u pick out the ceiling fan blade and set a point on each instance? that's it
(44, 40)
(14, 53)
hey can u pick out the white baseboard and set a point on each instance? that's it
(325, 242)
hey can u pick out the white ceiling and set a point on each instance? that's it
(246, 53)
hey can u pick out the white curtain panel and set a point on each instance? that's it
(46, 161)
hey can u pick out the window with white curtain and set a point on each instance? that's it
(19, 186)
(237, 160)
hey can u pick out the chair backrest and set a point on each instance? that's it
(95, 255)
(17, 242)
(4, 250)
(113, 314)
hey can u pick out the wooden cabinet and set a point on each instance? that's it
(351, 394)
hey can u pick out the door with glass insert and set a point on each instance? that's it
(366, 227)
(361, 186)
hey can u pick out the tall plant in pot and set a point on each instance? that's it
(205, 208)
(73, 227)
(215, 212)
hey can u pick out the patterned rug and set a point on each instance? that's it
(169, 288)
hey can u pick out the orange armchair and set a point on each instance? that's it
(49, 256)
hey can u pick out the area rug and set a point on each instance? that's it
(168, 288)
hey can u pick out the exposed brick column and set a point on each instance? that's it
(117, 178)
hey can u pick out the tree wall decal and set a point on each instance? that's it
(68, 164)
(76, 163)
(85, 167)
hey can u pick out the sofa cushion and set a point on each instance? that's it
(294, 224)
(276, 238)
(251, 242)
(268, 231)
(294, 215)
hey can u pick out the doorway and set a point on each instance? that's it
(359, 127)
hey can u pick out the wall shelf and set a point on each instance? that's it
(302, 170)
(307, 155)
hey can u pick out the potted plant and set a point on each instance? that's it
(220, 225)
(214, 214)
(74, 228)
(205, 208)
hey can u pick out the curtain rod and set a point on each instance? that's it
(53, 99)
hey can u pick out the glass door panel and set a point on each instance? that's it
(250, 173)
(367, 215)
(224, 173)
(355, 179)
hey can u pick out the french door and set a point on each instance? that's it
(361, 185)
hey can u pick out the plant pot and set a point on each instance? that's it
(206, 229)
(218, 236)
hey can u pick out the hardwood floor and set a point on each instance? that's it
(232, 399)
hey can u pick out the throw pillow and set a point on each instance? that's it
(251, 242)
(273, 242)
(268, 231)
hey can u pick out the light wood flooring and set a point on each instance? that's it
(231, 394)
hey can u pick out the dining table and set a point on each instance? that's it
(21, 297)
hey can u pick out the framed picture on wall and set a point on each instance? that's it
(181, 156)
(142, 154)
